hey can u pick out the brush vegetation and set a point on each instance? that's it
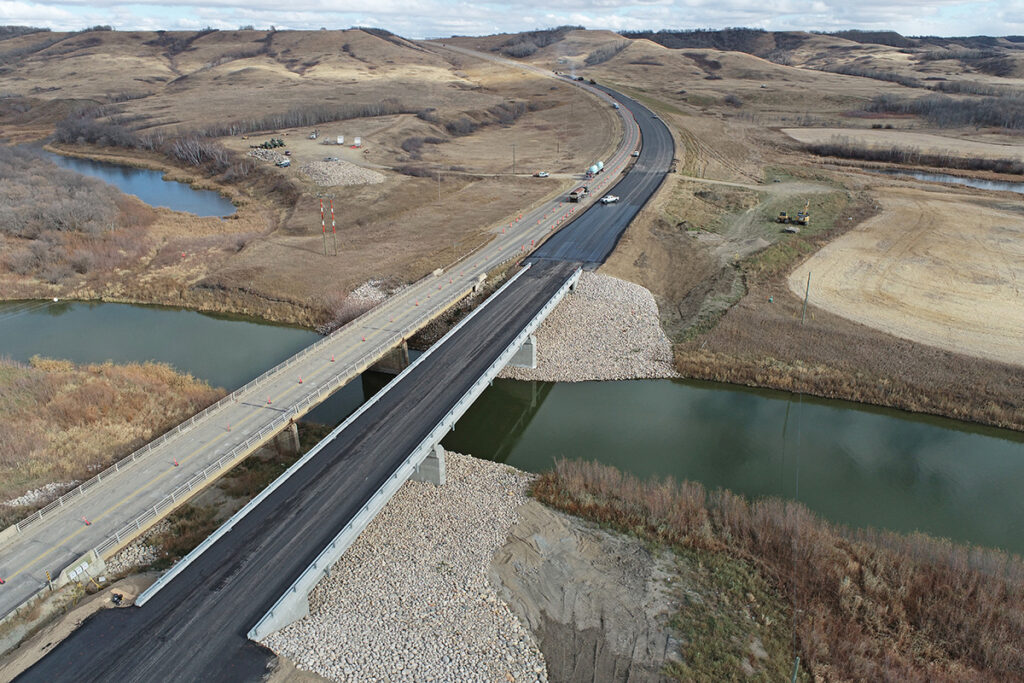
(65, 422)
(863, 605)
(845, 148)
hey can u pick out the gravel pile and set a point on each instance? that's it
(267, 155)
(47, 493)
(137, 553)
(330, 173)
(371, 292)
(411, 599)
(607, 329)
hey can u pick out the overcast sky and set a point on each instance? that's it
(435, 18)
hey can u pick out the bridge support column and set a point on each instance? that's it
(526, 356)
(432, 468)
(394, 361)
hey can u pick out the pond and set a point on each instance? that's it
(979, 183)
(149, 186)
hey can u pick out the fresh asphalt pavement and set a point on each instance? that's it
(591, 237)
(195, 627)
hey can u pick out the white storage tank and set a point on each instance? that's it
(341, 139)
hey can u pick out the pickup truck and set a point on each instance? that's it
(609, 199)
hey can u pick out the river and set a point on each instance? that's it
(852, 464)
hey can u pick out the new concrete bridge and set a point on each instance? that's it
(253, 575)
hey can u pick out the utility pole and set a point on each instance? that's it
(323, 225)
(334, 230)
(513, 158)
(807, 293)
(438, 185)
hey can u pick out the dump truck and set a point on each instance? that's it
(579, 193)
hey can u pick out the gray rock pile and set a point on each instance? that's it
(138, 553)
(267, 155)
(330, 173)
(411, 599)
(607, 329)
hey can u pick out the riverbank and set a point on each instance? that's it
(411, 599)
(608, 329)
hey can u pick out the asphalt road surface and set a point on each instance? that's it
(590, 238)
(195, 628)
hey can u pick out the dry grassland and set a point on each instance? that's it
(268, 260)
(64, 422)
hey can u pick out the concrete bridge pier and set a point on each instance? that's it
(394, 361)
(432, 467)
(286, 443)
(526, 356)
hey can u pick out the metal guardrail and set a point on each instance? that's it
(295, 467)
(283, 611)
(270, 429)
(208, 411)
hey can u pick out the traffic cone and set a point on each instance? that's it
(300, 379)
(268, 400)
(364, 337)
(175, 462)
(229, 426)
(87, 522)
(332, 357)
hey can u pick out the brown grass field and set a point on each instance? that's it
(268, 260)
(65, 422)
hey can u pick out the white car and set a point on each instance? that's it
(609, 199)
(541, 174)
(635, 153)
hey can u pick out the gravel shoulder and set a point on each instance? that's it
(608, 329)
(412, 600)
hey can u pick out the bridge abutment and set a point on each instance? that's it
(526, 356)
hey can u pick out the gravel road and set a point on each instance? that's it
(607, 329)
(411, 599)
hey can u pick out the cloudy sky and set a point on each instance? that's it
(435, 18)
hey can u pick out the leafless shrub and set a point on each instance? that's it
(846, 149)
(944, 111)
(875, 74)
(524, 48)
(733, 100)
(867, 603)
(603, 53)
(415, 171)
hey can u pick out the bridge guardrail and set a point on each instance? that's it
(283, 610)
(79, 490)
(132, 527)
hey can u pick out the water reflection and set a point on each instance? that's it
(149, 186)
(863, 467)
(956, 180)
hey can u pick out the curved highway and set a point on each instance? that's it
(591, 238)
(195, 627)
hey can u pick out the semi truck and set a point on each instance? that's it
(579, 193)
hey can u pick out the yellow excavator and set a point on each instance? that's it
(803, 217)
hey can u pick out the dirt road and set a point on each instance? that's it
(936, 268)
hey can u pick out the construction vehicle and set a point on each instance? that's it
(579, 193)
(802, 217)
